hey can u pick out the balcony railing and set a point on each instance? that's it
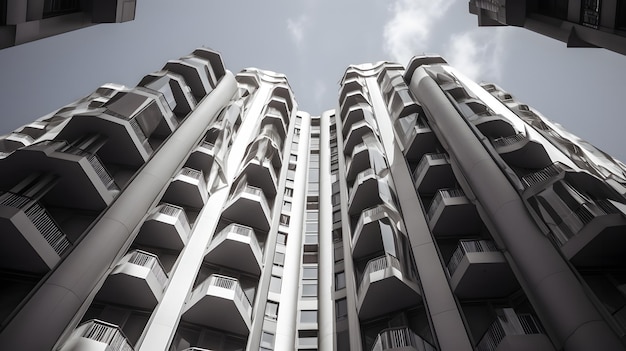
(149, 260)
(379, 264)
(425, 161)
(508, 140)
(508, 323)
(142, 136)
(583, 214)
(468, 246)
(228, 283)
(94, 161)
(40, 218)
(191, 173)
(239, 230)
(107, 333)
(396, 338)
(439, 198)
(544, 174)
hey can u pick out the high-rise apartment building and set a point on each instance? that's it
(579, 23)
(22, 21)
(202, 210)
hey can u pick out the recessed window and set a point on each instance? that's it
(309, 290)
(284, 219)
(267, 340)
(271, 310)
(288, 192)
(308, 316)
(340, 280)
(279, 259)
(341, 309)
(281, 238)
(275, 284)
(309, 272)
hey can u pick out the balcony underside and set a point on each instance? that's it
(458, 217)
(201, 159)
(234, 254)
(360, 162)
(131, 285)
(217, 312)
(163, 232)
(602, 242)
(22, 247)
(190, 193)
(527, 342)
(525, 154)
(388, 291)
(423, 142)
(261, 177)
(483, 275)
(247, 210)
(368, 240)
(435, 177)
(365, 195)
(494, 126)
(355, 135)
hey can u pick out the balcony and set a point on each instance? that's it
(202, 157)
(365, 192)
(360, 159)
(350, 86)
(138, 280)
(219, 296)
(356, 114)
(519, 150)
(512, 332)
(166, 227)
(434, 172)
(35, 129)
(492, 125)
(31, 241)
(260, 173)
(188, 188)
(385, 287)
(419, 141)
(236, 247)
(356, 133)
(402, 103)
(15, 141)
(478, 270)
(195, 72)
(368, 233)
(593, 235)
(184, 102)
(248, 206)
(451, 213)
(273, 116)
(83, 183)
(400, 339)
(97, 335)
(354, 101)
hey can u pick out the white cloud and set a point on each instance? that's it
(477, 53)
(296, 28)
(411, 25)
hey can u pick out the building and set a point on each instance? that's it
(202, 210)
(586, 23)
(22, 21)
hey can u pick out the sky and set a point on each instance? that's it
(313, 42)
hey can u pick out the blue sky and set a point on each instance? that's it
(312, 42)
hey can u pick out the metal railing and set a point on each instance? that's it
(467, 246)
(140, 134)
(107, 333)
(191, 173)
(40, 218)
(508, 140)
(440, 196)
(207, 145)
(393, 338)
(149, 260)
(239, 230)
(97, 165)
(507, 323)
(379, 264)
(544, 174)
(426, 159)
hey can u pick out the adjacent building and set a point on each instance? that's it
(202, 210)
(586, 23)
(22, 21)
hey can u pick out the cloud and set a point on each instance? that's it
(411, 25)
(477, 53)
(296, 28)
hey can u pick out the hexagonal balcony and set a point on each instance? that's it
(492, 126)
(520, 151)
(365, 192)
(97, 335)
(31, 241)
(400, 339)
(356, 133)
(248, 206)
(166, 227)
(434, 172)
(385, 287)
(478, 270)
(511, 331)
(360, 159)
(274, 117)
(419, 141)
(260, 173)
(202, 157)
(451, 213)
(188, 188)
(367, 235)
(236, 247)
(219, 296)
(355, 100)
(137, 280)
(356, 113)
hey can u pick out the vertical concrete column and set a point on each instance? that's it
(444, 313)
(45, 316)
(558, 297)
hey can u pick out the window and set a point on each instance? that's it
(271, 310)
(341, 309)
(289, 192)
(340, 280)
(287, 206)
(309, 272)
(279, 259)
(284, 219)
(267, 340)
(309, 289)
(281, 238)
(307, 316)
(291, 174)
(275, 284)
